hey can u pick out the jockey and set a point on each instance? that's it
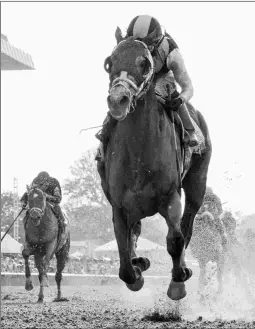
(51, 187)
(230, 226)
(169, 68)
(212, 204)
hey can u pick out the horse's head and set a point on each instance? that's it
(36, 204)
(131, 69)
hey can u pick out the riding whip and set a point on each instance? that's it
(11, 225)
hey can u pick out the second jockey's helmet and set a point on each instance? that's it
(143, 25)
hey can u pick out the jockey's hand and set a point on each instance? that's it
(174, 104)
(24, 205)
(50, 198)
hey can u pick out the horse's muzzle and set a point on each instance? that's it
(36, 215)
(119, 103)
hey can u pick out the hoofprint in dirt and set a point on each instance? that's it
(114, 306)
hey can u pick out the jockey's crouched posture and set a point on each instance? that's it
(169, 69)
(51, 187)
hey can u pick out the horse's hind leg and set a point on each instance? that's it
(62, 256)
(142, 262)
(175, 247)
(26, 252)
(194, 185)
(131, 275)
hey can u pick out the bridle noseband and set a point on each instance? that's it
(37, 209)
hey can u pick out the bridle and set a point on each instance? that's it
(124, 81)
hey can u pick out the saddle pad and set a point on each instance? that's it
(63, 237)
(201, 140)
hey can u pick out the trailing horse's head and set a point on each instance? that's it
(131, 69)
(36, 204)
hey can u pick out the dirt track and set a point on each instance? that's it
(114, 306)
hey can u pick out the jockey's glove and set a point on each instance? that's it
(24, 205)
(174, 104)
(51, 198)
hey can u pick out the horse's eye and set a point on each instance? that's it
(108, 64)
(143, 65)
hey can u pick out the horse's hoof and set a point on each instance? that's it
(61, 299)
(29, 285)
(40, 301)
(142, 262)
(176, 290)
(138, 284)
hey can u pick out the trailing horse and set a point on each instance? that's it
(42, 236)
(142, 172)
(206, 246)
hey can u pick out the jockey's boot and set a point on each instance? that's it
(188, 125)
(104, 136)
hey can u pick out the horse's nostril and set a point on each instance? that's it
(109, 99)
(123, 100)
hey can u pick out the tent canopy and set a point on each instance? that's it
(10, 245)
(142, 244)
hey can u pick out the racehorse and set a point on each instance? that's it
(206, 246)
(42, 235)
(140, 175)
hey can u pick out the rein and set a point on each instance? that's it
(12, 224)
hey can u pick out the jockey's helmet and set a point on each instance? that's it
(143, 25)
(43, 177)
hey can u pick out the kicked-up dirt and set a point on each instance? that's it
(114, 306)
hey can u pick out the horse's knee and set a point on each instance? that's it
(25, 253)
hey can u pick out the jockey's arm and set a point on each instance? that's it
(56, 197)
(175, 63)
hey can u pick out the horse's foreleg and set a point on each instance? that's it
(141, 262)
(220, 270)
(131, 275)
(26, 252)
(202, 280)
(175, 247)
(39, 266)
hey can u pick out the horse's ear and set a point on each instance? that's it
(118, 35)
(27, 186)
(108, 64)
(153, 36)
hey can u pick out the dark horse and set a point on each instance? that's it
(140, 176)
(41, 229)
